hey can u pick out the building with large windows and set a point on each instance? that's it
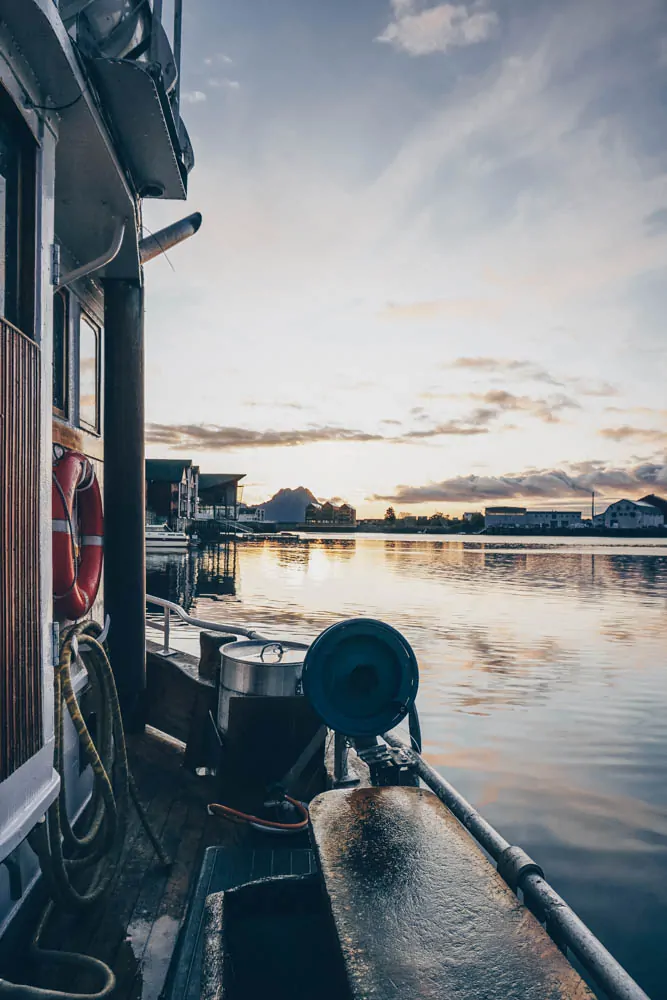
(631, 515)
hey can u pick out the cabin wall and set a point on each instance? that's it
(29, 790)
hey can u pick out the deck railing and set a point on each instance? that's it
(20, 626)
(170, 609)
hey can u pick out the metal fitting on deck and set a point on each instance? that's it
(514, 863)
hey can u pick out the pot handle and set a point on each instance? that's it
(272, 645)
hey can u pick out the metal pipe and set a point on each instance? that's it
(595, 958)
(156, 25)
(165, 643)
(201, 623)
(101, 261)
(592, 954)
(124, 492)
(340, 758)
(170, 236)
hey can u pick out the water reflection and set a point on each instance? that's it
(543, 691)
(182, 577)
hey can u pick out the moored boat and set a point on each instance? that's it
(160, 538)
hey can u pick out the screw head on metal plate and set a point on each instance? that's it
(361, 677)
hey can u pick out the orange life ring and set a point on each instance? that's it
(77, 555)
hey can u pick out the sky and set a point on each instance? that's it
(432, 268)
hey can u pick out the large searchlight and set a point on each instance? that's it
(361, 677)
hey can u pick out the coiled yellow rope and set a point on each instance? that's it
(79, 866)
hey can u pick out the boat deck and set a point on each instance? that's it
(134, 930)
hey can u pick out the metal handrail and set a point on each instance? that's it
(561, 921)
(169, 606)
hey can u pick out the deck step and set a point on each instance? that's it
(224, 868)
(420, 912)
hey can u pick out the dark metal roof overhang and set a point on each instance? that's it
(91, 191)
(143, 123)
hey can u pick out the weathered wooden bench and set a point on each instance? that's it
(418, 909)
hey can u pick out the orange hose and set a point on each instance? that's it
(217, 809)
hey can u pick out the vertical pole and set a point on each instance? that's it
(178, 27)
(124, 492)
(165, 645)
(155, 28)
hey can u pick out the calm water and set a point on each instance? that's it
(543, 691)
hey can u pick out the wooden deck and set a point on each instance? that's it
(135, 928)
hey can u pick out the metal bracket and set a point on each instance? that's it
(390, 765)
(514, 863)
(55, 264)
(342, 776)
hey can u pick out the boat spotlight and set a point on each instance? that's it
(361, 677)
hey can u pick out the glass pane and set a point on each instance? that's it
(88, 408)
(60, 352)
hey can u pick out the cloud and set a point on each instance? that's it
(460, 307)
(224, 82)
(193, 96)
(526, 369)
(535, 483)
(476, 422)
(544, 409)
(529, 371)
(628, 433)
(219, 57)
(423, 31)
(211, 437)
(656, 222)
(273, 405)
(593, 388)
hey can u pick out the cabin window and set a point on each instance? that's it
(60, 352)
(89, 374)
(17, 215)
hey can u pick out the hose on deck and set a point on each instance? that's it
(79, 865)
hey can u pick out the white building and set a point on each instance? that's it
(511, 518)
(630, 514)
(252, 514)
(504, 517)
(550, 519)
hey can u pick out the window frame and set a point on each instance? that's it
(85, 316)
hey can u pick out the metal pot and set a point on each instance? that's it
(258, 669)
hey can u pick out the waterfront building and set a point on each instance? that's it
(512, 518)
(329, 513)
(219, 496)
(172, 487)
(503, 517)
(630, 515)
(252, 515)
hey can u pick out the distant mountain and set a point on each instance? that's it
(288, 506)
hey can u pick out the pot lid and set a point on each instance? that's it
(275, 653)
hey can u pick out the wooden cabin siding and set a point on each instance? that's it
(20, 635)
